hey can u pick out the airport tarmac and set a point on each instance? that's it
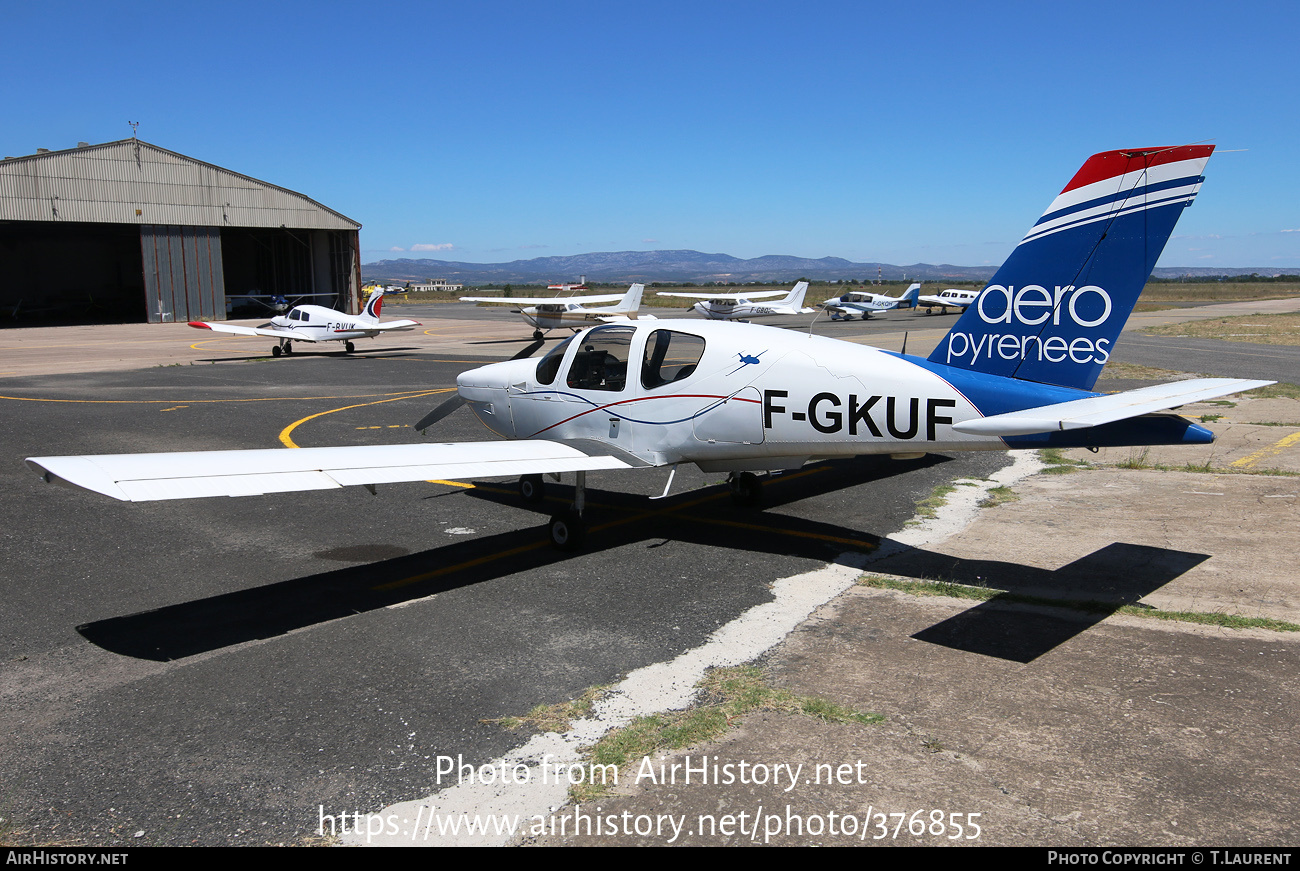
(234, 667)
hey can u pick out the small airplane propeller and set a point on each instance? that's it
(454, 402)
(441, 411)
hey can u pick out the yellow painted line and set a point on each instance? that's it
(289, 443)
(453, 483)
(1263, 453)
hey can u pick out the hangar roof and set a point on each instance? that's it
(133, 182)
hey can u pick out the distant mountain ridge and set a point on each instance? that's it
(697, 267)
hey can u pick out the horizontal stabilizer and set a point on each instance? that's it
(1096, 410)
(196, 474)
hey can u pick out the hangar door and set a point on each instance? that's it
(183, 277)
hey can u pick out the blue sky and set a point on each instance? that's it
(493, 131)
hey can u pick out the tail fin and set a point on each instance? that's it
(373, 305)
(910, 295)
(794, 298)
(1053, 311)
(631, 300)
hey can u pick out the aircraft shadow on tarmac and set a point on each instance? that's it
(1030, 617)
(703, 516)
(369, 353)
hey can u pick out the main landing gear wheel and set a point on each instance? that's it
(532, 488)
(537, 335)
(288, 347)
(746, 489)
(275, 352)
(567, 530)
(348, 348)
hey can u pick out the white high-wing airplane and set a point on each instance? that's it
(953, 297)
(1016, 371)
(865, 303)
(548, 314)
(314, 323)
(741, 306)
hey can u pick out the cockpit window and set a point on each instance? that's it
(670, 356)
(550, 365)
(601, 360)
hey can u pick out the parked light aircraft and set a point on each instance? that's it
(548, 314)
(865, 303)
(953, 297)
(741, 306)
(1015, 371)
(276, 302)
(314, 323)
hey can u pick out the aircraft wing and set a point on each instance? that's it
(1096, 410)
(762, 294)
(384, 326)
(251, 331)
(543, 300)
(195, 474)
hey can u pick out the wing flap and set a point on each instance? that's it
(1097, 410)
(198, 474)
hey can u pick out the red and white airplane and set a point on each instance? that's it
(314, 323)
(1016, 371)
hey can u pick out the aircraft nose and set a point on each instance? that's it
(485, 391)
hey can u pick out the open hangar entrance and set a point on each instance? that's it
(127, 231)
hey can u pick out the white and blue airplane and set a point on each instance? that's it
(741, 306)
(315, 323)
(1016, 371)
(866, 303)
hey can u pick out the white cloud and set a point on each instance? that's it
(395, 248)
(429, 246)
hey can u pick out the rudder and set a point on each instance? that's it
(1054, 309)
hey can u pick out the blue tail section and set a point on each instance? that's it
(1052, 313)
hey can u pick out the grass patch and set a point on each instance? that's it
(1210, 418)
(726, 694)
(554, 718)
(928, 507)
(998, 496)
(1281, 390)
(1276, 329)
(1090, 606)
(1133, 372)
(1135, 460)
(1058, 463)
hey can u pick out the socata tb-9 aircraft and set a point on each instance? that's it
(1016, 371)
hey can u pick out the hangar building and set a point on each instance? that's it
(127, 231)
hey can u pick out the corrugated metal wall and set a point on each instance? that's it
(183, 276)
(133, 182)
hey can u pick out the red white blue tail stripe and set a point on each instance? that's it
(1052, 313)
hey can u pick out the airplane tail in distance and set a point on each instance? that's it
(373, 305)
(631, 301)
(1053, 311)
(794, 298)
(910, 295)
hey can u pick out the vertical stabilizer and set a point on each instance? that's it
(1053, 311)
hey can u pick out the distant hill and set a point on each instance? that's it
(663, 266)
(699, 268)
